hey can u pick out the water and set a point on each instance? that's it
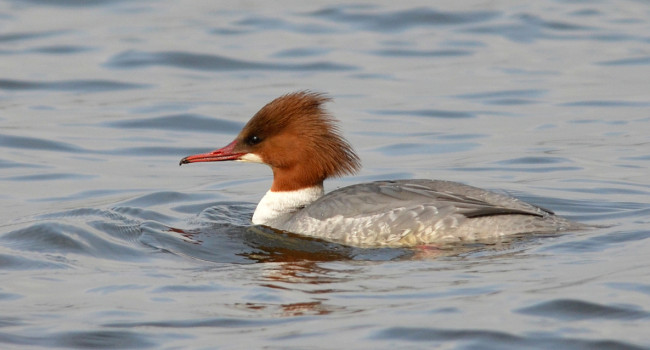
(106, 243)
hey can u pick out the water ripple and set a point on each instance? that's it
(96, 233)
(61, 49)
(520, 169)
(5, 164)
(534, 160)
(431, 113)
(69, 85)
(572, 310)
(302, 52)
(24, 142)
(63, 238)
(72, 3)
(165, 197)
(181, 122)
(211, 322)
(16, 262)
(401, 149)
(501, 94)
(642, 288)
(476, 339)
(528, 28)
(82, 340)
(29, 35)
(422, 53)
(185, 60)
(262, 23)
(150, 151)
(599, 243)
(50, 177)
(83, 195)
(634, 61)
(401, 20)
(606, 103)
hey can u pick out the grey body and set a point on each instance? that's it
(413, 212)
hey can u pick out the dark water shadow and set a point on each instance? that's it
(225, 243)
(206, 62)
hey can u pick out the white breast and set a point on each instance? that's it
(276, 208)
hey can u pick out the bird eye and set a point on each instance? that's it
(253, 140)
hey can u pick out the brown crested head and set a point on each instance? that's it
(299, 140)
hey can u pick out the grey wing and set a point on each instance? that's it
(447, 197)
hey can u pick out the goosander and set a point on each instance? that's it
(302, 144)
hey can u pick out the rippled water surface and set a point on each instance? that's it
(106, 243)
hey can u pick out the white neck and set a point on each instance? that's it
(276, 208)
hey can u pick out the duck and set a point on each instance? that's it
(303, 145)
